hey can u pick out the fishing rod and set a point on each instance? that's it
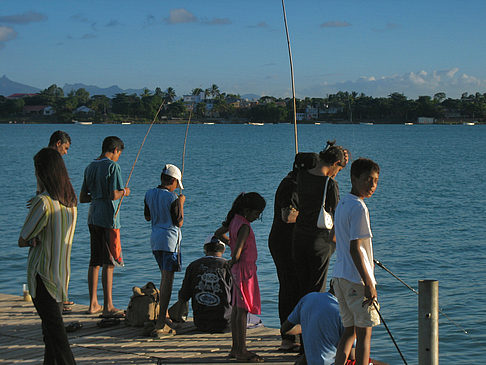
(185, 142)
(389, 332)
(292, 78)
(138, 154)
(416, 292)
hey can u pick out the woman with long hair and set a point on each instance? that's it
(48, 231)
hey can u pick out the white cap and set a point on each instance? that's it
(173, 171)
(213, 239)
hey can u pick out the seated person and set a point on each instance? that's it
(317, 317)
(208, 283)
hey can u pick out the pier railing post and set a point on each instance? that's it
(428, 322)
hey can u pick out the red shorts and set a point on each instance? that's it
(105, 246)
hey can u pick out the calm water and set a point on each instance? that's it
(428, 213)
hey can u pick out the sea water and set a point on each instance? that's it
(427, 215)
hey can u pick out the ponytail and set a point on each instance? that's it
(244, 201)
(331, 153)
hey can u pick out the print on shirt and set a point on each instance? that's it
(208, 287)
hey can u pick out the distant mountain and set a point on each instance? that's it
(95, 90)
(251, 97)
(9, 87)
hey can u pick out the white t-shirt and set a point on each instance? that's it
(351, 222)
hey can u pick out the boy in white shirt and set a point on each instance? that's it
(353, 277)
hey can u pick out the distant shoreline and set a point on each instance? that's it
(176, 122)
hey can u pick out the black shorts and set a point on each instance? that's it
(99, 246)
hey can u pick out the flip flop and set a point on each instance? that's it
(74, 326)
(293, 348)
(68, 302)
(251, 358)
(108, 322)
(67, 310)
(116, 314)
(95, 312)
(163, 332)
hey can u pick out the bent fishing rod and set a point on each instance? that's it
(416, 292)
(138, 154)
(185, 142)
(292, 78)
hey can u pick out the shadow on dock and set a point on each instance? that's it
(21, 341)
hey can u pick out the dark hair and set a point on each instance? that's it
(331, 153)
(362, 165)
(59, 136)
(51, 171)
(166, 179)
(245, 201)
(215, 245)
(111, 143)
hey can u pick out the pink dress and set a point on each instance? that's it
(246, 293)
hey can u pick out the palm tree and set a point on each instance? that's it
(170, 95)
(214, 90)
(197, 91)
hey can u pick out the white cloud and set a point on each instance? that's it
(7, 33)
(411, 84)
(181, 16)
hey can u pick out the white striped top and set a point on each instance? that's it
(53, 224)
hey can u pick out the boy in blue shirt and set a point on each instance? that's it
(166, 212)
(103, 187)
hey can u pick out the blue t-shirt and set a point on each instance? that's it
(165, 235)
(101, 178)
(318, 315)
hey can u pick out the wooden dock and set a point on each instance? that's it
(21, 341)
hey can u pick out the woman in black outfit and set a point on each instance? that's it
(313, 247)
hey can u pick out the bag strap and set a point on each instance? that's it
(325, 193)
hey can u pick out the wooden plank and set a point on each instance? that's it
(122, 344)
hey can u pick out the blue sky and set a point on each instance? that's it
(375, 46)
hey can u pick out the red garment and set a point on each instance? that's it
(246, 292)
(114, 246)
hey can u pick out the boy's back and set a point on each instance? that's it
(101, 178)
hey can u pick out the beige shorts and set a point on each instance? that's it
(350, 297)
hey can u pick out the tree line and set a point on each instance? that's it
(212, 104)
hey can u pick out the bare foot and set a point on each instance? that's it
(94, 310)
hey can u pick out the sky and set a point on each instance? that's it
(375, 47)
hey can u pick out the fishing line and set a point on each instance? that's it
(391, 336)
(416, 292)
(292, 78)
(138, 154)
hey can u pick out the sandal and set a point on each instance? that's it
(108, 322)
(251, 358)
(74, 326)
(162, 332)
(116, 314)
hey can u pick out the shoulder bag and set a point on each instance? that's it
(325, 219)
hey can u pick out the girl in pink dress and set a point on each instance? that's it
(246, 208)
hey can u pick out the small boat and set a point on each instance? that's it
(126, 123)
(317, 123)
(208, 123)
(408, 123)
(366, 123)
(469, 123)
(251, 123)
(82, 123)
